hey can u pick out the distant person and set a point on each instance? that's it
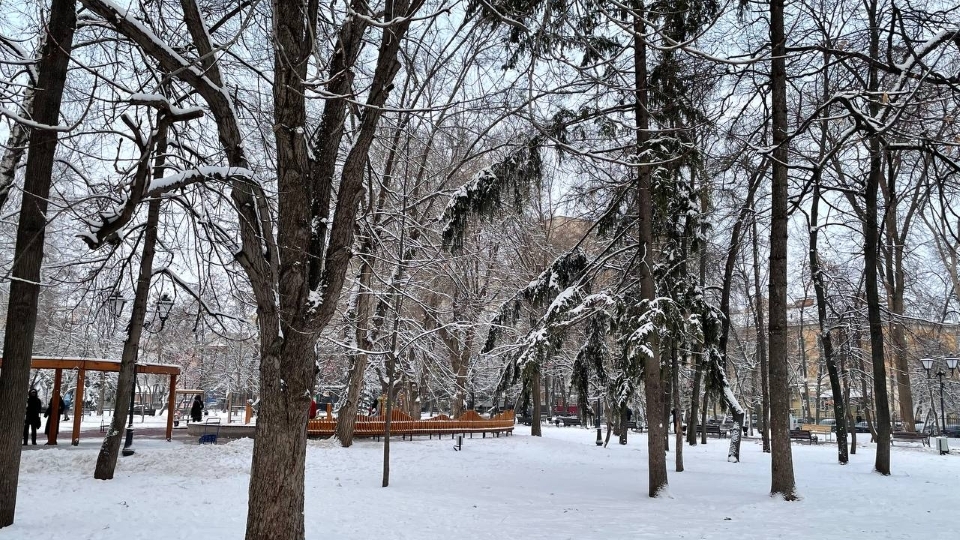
(50, 412)
(372, 410)
(31, 422)
(196, 410)
(313, 409)
(65, 407)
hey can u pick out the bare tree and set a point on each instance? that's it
(28, 256)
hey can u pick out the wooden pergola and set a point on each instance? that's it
(82, 366)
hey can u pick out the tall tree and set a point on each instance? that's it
(28, 254)
(782, 482)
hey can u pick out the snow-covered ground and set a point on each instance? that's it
(556, 487)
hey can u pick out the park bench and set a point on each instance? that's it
(803, 435)
(568, 421)
(825, 431)
(713, 429)
(910, 436)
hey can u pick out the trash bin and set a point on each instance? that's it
(943, 446)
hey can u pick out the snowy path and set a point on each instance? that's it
(558, 487)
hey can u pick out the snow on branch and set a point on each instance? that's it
(112, 220)
(508, 180)
(564, 271)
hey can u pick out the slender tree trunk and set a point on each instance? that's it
(24, 293)
(652, 377)
(782, 480)
(761, 346)
(15, 148)
(870, 248)
(703, 418)
(895, 281)
(388, 418)
(677, 421)
(695, 400)
(667, 399)
(829, 356)
(535, 394)
(110, 448)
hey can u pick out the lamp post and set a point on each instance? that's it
(164, 305)
(928, 365)
(599, 412)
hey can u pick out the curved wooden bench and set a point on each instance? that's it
(402, 424)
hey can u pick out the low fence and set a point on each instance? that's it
(403, 425)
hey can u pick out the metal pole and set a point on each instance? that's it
(599, 411)
(943, 417)
(128, 442)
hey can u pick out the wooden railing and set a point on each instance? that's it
(401, 424)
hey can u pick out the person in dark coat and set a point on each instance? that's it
(61, 406)
(196, 410)
(31, 423)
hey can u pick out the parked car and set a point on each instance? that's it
(862, 427)
(829, 422)
(952, 431)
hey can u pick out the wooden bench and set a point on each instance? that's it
(803, 435)
(911, 436)
(825, 432)
(713, 429)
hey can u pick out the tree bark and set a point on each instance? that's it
(895, 281)
(535, 395)
(782, 480)
(652, 377)
(110, 448)
(24, 293)
(695, 400)
(829, 356)
(870, 248)
(761, 346)
(677, 420)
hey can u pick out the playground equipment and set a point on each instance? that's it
(82, 366)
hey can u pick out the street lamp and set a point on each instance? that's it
(164, 305)
(599, 412)
(116, 302)
(928, 365)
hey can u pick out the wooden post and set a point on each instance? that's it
(54, 409)
(171, 404)
(329, 411)
(229, 408)
(248, 412)
(78, 407)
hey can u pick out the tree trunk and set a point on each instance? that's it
(761, 346)
(24, 293)
(677, 419)
(829, 356)
(870, 248)
(652, 377)
(695, 400)
(110, 448)
(535, 395)
(782, 480)
(703, 418)
(347, 417)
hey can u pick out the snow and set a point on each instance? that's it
(192, 175)
(556, 487)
